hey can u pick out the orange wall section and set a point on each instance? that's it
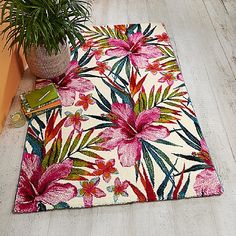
(11, 70)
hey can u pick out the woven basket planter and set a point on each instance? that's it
(43, 65)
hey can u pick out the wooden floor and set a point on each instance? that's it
(203, 33)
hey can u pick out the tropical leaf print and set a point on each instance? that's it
(99, 35)
(126, 132)
(167, 62)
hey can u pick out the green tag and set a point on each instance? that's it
(41, 97)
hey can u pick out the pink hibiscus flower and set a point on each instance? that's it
(119, 189)
(68, 85)
(89, 190)
(75, 119)
(135, 48)
(207, 183)
(36, 186)
(129, 131)
(105, 169)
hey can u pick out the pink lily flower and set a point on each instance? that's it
(129, 130)
(36, 186)
(89, 190)
(75, 119)
(119, 188)
(135, 48)
(68, 85)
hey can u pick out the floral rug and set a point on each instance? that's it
(127, 131)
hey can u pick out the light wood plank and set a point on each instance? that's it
(223, 20)
(212, 88)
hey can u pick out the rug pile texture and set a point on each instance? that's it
(127, 131)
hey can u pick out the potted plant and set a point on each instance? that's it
(42, 28)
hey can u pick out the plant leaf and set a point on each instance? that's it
(124, 96)
(66, 146)
(103, 125)
(103, 99)
(85, 138)
(151, 196)
(196, 168)
(165, 93)
(184, 189)
(158, 94)
(189, 157)
(176, 191)
(77, 162)
(162, 141)
(157, 159)
(190, 143)
(101, 106)
(91, 154)
(149, 164)
(161, 188)
(36, 145)
(164, 157)
(61, 205)
(55, 131)
(189, 135)
(139, 194)
(75, 142)
(151, 97)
